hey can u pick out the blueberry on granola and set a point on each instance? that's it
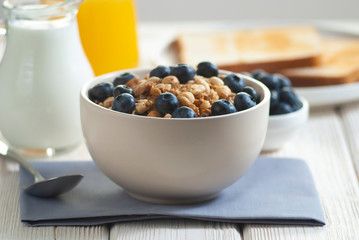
(123, 78)
(221, 107)
(100, 92)
(251, 92)
(183, 72)
(234, 82)
(243, 101)
(166, 103)
(124, 103)
(207, 69)
(119, 89)
(183, 112)
(160, 71)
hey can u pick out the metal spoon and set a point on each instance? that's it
(44, 188)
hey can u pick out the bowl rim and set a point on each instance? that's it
(95, 80)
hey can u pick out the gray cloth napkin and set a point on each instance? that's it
(274, 191)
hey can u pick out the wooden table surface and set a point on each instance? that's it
(328, 142)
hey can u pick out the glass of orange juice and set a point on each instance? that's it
(108, 34)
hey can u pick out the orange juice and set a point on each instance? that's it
(108, 34)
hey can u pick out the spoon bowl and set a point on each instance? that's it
(53, 187)
(43, 188)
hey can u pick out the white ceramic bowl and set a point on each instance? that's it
(282, 128)
(173, 160)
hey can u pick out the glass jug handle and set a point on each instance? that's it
(2, 28)
(3, 32)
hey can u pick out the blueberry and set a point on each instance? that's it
(251, 92)
(274, 98)
(271, 81)
(160, 71)
(283, 81)
(166, 103)
(259, 74)
(101, 92)
(281, 108)
(234, 82)
(183, 72)
(184, 112)
(119, 89)
(124, 103)
(288, 96)
(221, 107)
(123, 78)
(207, 69)
(243, 101)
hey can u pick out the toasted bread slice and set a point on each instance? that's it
(339, 64)
(270, 49)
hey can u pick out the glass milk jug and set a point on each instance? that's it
(41, 73)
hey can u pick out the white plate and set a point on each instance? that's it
(330, 95)
(316, 96)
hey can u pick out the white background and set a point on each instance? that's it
(179, 10)
(170, 10)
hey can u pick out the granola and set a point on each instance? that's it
(196, 92)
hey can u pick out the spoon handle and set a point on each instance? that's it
(25, 164)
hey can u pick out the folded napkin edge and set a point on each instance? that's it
(91, 221)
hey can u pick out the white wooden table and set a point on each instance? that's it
(329, 143)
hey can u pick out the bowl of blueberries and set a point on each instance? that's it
(288, 111)
(174, 134)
